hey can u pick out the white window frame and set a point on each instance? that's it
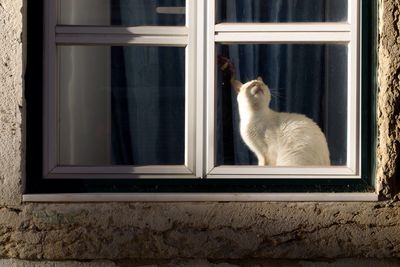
(342, 33)
(174, 36)
(199, 36)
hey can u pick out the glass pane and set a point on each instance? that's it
(281, 11)
(122, 12)
(121, 105)
(309, 79)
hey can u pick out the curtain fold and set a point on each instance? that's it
(147, 91)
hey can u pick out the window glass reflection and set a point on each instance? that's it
(309, 79)
(122, 12)
(121, 105)
(281, 11)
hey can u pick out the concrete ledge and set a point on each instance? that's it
(198, 197)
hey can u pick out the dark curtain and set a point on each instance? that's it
(148, 91)
(148, 82)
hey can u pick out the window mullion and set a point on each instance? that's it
(287, 37)
(122, 172)
(210, 85)
(191, 103)
(121, 39)
(354, 96)
(283, 27)
(50, 97)
(138, 30)
(157, 35)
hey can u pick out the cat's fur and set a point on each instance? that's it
(277, 138)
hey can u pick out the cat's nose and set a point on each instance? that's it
(256, 90)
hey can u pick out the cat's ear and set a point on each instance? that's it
(236, 85)
(259, 78)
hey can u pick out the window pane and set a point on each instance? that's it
(309, 79)
(281, 11)
(122, 12)
(121, 105)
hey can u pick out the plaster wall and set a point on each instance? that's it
(209, 230)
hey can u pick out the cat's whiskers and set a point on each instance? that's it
(275, 94)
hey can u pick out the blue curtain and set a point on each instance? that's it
(148, 91)
(148, 82)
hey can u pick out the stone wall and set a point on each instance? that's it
(200, 230)
(389, 99)
(11, 103)
(215, 231)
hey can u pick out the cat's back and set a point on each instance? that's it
(301, 141)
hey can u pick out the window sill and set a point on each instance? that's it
(198, 197)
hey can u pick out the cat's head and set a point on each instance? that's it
(255, 92)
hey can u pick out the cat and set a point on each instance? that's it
(277, 138)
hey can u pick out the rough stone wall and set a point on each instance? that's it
(201, 230)
(195, 230)
(388, 172)
(11, 87)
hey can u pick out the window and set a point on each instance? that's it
(114, 104)
(277, 45)
(137, 95)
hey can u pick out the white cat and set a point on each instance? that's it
(277, 138)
